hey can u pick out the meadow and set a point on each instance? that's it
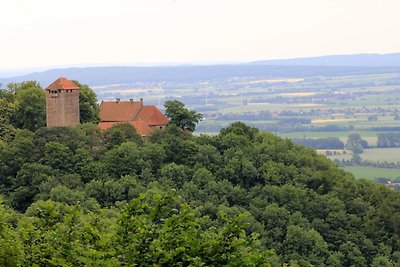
(315, 106)
(371, 173)
(382, 155)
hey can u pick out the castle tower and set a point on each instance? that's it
(62, 103)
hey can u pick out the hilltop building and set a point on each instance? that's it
(144, 118)
(62, 109)
(62, 103)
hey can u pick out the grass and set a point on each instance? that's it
(369, 136)
(382, 154)
(372, 173)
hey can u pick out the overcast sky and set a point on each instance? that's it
(36, 33)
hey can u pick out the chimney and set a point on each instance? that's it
(118, 100)
(131, 100)
(141, 102)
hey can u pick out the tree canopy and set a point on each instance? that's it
(181, 116)
(356, 143)
(88, 106)
(83, 197)
(29, 100)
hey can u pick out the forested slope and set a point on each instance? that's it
(80, 197)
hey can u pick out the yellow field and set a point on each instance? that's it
(258, 103)
(331, 120)
(308, 105)
(298, 80)
(298, 94)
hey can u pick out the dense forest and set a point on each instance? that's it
(77, 196)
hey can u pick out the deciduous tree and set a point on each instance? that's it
(181, 116)
(88, 106)
(31, 107)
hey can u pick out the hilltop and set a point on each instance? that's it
(357, 60)
(242, 197)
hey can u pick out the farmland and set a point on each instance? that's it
(315, 106)
(371, 154)
(382, 154)
(372, 173)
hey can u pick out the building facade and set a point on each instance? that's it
(62, 103)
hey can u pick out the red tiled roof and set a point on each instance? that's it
(141, 127)
(119, 111)
(133, 112)
(152, 116)
(62, 83)
(106, 125)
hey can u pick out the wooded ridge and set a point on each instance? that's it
(82, 197)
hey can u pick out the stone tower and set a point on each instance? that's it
(62, 103)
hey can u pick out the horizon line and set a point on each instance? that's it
(29, 70)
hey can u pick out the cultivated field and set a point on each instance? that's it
(372, 173)
(294, 107)
(382, 155)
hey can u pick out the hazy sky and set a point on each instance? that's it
(37, 33)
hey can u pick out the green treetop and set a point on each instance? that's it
(181, 116)
(88, 107)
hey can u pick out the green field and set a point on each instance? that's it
(374, 155)
(369, 136)
(372, 173)
(371, 154)
(382, 154)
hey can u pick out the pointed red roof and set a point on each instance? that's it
(63, 84)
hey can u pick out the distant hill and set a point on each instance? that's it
(124, 75)
(298, 67)
(365, 60)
